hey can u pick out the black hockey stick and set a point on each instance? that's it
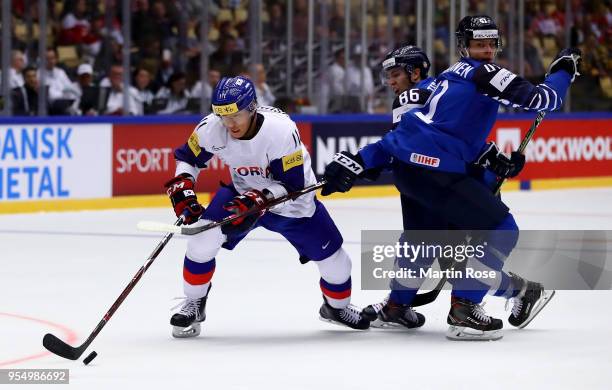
(191, 230)
(60, 348)
(430, 296)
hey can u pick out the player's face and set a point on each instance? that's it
(483, 49)
(237, 124)
(399, 80)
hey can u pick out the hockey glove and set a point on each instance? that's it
(497, 162)
(342, 172)
(241, 204)
(183, 198)
(567, 60)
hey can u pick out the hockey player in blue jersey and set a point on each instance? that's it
(404, 70)
(434, 148)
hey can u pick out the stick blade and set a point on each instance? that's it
(60, 348)
(152, 226)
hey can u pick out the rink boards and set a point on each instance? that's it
(83, 163)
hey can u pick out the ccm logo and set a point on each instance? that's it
(425, 160)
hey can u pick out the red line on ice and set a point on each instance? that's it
(70, 338)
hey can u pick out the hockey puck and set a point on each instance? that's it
(90, 357)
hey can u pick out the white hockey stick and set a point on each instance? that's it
(152, 226)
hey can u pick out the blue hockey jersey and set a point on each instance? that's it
(451, 129)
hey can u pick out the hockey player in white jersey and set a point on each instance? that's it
(267, 160)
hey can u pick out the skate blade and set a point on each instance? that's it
(191, 331)
(337, 323)
(462, 333)
(547, 295)
(379, 324)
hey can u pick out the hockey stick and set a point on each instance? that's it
(430, 296)
(191, 230)
(60, 348)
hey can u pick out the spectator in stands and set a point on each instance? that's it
(143, 83)
(213, 78)
(226, 58)
(112, 93)
(175, 94)
(56, 78)
(533, 56)
(265, 97)
(164, 23)
(356, 75)
(334, 87)
(546, 23)
(84, 92)
(276, 27)
(76, 28)
(25, 98)
(300, 20)
(15, 71)
(166, 68)
(144, 25)
(594, 57)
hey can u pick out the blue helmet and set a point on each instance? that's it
(233, 94)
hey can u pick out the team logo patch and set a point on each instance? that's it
(292, 160)
(226, 109)
(501, 80)
(194, 144)
(421, 159)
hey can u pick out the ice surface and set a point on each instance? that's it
(262, 330)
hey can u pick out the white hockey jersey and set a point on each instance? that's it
(274, 159)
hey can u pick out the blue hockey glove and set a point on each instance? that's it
(497, 162)
(568, 60)
(342, 172)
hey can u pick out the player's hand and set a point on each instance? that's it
(183, 198)
(241, 204)
(341, 173)
(497, 162)
(568, 60)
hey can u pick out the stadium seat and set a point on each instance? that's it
(68, 56)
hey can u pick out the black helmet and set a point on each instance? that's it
(409, 58)
(476, 27)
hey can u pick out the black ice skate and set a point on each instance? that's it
(349, 316)
(388, 314)
(529, 302)
(186, 323)
(468, 321)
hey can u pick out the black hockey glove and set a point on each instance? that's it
(567, 60)
(497, 162)
(180, 189)
(241, 204)
(342, 172)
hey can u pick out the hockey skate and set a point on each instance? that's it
(529, 302)
(468, 321)
(389, 315)
(186, 323)
(349, 316)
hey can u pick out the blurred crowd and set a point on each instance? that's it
(84, 73)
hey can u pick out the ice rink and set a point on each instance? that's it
(60, 272)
